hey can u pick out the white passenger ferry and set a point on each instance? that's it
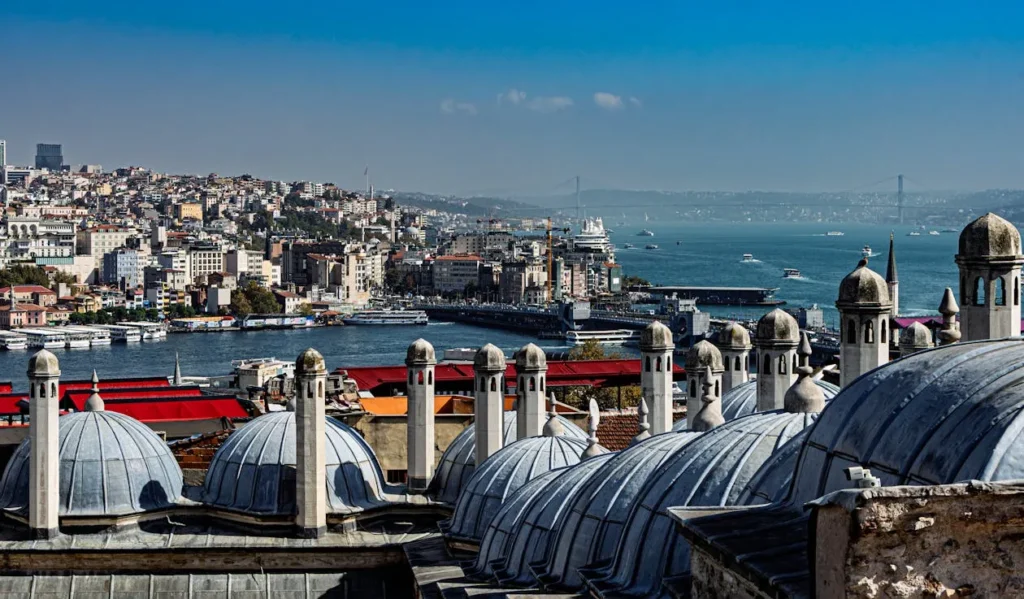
(614, 337)
(386, 317)
(151, 331)
(13, 341)
(122, 333)
(44, 339)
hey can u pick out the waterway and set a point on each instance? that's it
(706, 255)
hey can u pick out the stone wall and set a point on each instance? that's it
(711, 581)
(387, 436)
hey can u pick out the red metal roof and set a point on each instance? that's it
(180, 409)
(9, 403)
(118, 383)
(76, 397)
(6, 387)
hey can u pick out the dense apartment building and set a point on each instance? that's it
(99, 240)
(455, 272)
(204, 260)
(124, 267)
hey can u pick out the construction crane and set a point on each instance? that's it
(551, 265)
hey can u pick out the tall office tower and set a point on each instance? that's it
(49, 156)
(3, 155)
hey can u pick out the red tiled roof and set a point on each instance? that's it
(27, 289)
(9, 403)
(465, 257)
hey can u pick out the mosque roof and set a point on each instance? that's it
(254, 470)
(989, 236)
(458, 462)
(703, 353)
(778, 326)
(110, 464)
(741, 400)
(734, 336)
(863, 287)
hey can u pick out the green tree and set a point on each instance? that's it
(240, 304)
(607, 397)
(305, 309)
(152, 314)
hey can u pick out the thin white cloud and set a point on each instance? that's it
(450, 106)
(512, 96)
(547, 104)
(608, 101)
(635, 101)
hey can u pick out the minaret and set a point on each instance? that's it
(950, 330)
(915, 338)
(177, 371)
(656, 347)
(489, 370)
(734, 343)
(702, 360)
(776, 340)
(864, 311)
(710, 414)
(643, 426)
(531, 372)
(891, 279)
(594, 421)
(989, 259)
(310, 435)
(44, 446)
(420, 441)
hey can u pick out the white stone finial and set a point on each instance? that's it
(553, 427)
(950, 331)
(593, 448)
(643, 425)
(94, 403)
(177, 371)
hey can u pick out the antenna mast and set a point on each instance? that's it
(899, 198)
(578, 201)
(550, 298)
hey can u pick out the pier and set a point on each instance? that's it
(719, 296)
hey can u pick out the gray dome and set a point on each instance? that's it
(777, 326)
(702, 354)
(937, 416)
(734, 336)
(420, 353)
(459, 459)
(254, 470)
(595, 519)
(110, 465)
(713, 470)
(310, 362)
(656, 337)
(43, 363)
(915, 337)
(489, 358)
(772, 481)
(863, 287)
(530, 357)
(501, 475)
(741, 401)
(990, 235)
(523, 535)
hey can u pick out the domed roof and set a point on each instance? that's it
(43, 363)
(254, 470)
(713, 470)
(915, 337)
(777, 326)
(489, 358)
(110, 465)
(734, 336)
(595, 518)
(459, 459)
(655, 337)
(937, 416)
(772, 481)
(520, 536)
(420, 353)
(989, 236)
(741, 400)
(310, 362)
(530, 357)
(702, 354)
(504, 473)
(863, 287)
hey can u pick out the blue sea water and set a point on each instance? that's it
(707, 254)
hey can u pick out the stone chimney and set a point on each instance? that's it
(310, 435)
(44, 440)
(420, 361)
(656, 347)
(489, 369)
(531, 375)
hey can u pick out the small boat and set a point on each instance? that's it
(615, 337)
(748, 257)
(950, 230)
(650, 246)
(645, 233)
(679, 243)
(791, 273)
(913, 234)
(834, 234)
(866, 251)
(933, 232)
(628, 246)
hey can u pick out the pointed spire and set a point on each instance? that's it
(950, 331)
(94, 403)
(804, 350)
(594, 421)
(553, 428)
(177, 371)
(644, 425)
(890, 269)
(710, 414)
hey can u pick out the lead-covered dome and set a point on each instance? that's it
(741, 401)
(656, 337)
(863, 287)
(937, 416)
(458, 462)
(420, 353)
(704, 354)
(504, 473)
(989, 236)
(530, 357)
(489, 358)
(734, 336)
(777, 326)
(110, 465)
(43, 363)
(713, 470)
(254, 470)
(915, 338)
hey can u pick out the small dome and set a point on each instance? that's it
(110, 465)
(656, 337)
(990, 236)
(528, 533)
(254, 470)
(713, 470)
(43, 363)
(596, 518)
(704, 354)
(531, 357)
(420, 353)
(863, 287)
(458, 462)
(504, 473)
(489, 359)
(734, 336)
(310, 362)
(741, 401)
(915, 337)
(777, 326)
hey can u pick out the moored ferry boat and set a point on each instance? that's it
(386, 317)
(613, 337)
(12, 341)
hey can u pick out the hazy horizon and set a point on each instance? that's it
(515, 100)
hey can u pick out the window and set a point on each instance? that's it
(430, 377)
(796, 363)
(397, 477)
(494, 384)
(746, 363)
(533, 383)
(717, 391)
(782, 364)
(869, 332)
(668, 363)
(885, 330)
(542, 384)
(419, 378)
(693, 388)
(483, 384)
(1000, 295)
(659, 364)
(851, 331)
(979, 292)
(767, 365)
(736, 364)
(1016, 291)
(647, 364)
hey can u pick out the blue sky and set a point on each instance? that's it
(516, 97)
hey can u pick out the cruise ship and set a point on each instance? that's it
(592, 237)
(386, 317)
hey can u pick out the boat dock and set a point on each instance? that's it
(720, 296)
(80, 337)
